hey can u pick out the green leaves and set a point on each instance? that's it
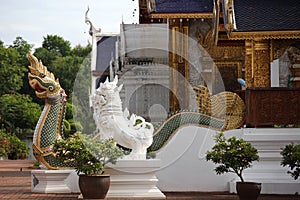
(12, 147)
(57, 44)
(90, 155)
(11, 72)
(66, 69)
(57, 54)
(18, 111)
(233, 155)
(291, 157)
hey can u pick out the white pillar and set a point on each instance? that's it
(275, 73)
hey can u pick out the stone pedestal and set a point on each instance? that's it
(130, 179)
(54, 181)
(134, 179)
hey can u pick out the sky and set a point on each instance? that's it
(35, 19)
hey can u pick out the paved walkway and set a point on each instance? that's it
(17, 185)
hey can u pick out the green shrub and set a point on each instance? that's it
(17, 148)
(291, 158)
(12, 147)
(232, 155)
(89, 155)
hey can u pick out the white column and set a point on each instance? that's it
(275, 73)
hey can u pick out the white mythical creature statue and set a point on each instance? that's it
(132, 132)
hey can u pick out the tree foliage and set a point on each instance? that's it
(45, 56)
(18, 101)
(232, 155)
(18, 111)
(22, 47)
(81, 51)
(66, 68)
(90, 155)
(11, 71)
(57, 44)
(291, 158)
(53, 46)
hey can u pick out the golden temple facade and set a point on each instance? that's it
(242, 39)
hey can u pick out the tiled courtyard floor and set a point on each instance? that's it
(17, 185)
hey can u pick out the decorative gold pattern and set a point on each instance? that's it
(178, 60)
(231, 56)
(203, 100)
(47, 86)
(261, 63)
(181, 15)
(234, 53)
(202, 38)
(278, 47)
(37, 68)
(249, 73)
(263, 35)
(227, 106)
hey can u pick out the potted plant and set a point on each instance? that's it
(235, 155)
(89, 156)
(291, 158)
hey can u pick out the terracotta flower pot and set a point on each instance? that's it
(94, 187)
(248, 190)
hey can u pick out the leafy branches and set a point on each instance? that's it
(233, 155)
(90, 155)
(18, 111)
(291, 157)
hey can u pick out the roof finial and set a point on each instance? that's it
(92, 30)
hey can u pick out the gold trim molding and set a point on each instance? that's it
(263, 35)
(182, 15)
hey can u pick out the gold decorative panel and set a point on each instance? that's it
(179, 98)
(261, 67)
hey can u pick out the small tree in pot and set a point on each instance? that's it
(291, 157)
(234, 155)
(89, 156)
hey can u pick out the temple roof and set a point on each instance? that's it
(183, 6)
(266, 15)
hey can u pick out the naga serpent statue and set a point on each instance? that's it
(50, 125)
(110, 119)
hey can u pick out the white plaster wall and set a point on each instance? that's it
(184, 167)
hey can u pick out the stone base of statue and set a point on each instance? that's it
(129, 179)
(54, 181)
(134, 179)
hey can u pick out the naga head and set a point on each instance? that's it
(41, 80)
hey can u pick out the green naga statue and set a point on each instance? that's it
(50, 125)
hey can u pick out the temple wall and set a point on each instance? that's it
(184, 167)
